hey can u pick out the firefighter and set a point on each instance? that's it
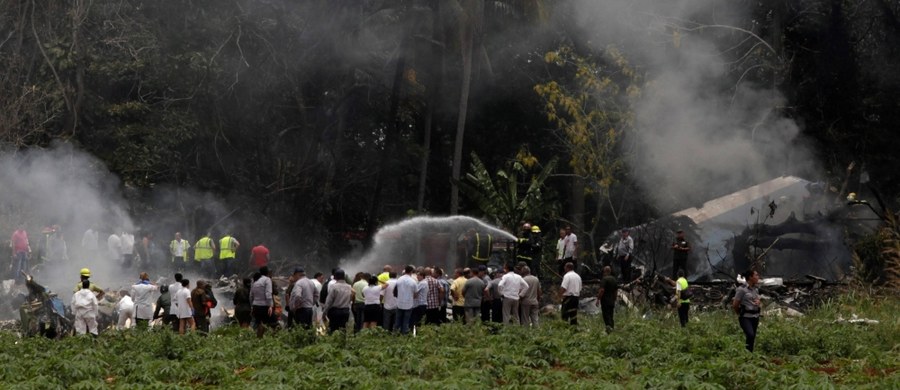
(523, 247)
(85, 275)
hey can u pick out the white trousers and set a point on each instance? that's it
(84, 324)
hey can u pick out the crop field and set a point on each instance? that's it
(647, 350)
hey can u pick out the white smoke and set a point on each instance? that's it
(699, 133)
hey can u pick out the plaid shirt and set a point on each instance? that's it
(433, 300)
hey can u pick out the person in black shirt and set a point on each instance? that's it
(607, 297)
(680, 250)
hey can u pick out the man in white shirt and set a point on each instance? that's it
(173, 291)
(144, 294)
(512, 287)
(624, 250)
(570, 289)
(405, 291)
(114, 247)
(127, 248)
(570, 250)
(390, 303)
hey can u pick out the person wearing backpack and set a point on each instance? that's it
(683, 296)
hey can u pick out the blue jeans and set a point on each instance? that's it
(389, 319)
(21, 265)
(403, 317)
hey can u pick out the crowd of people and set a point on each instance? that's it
(397, 302)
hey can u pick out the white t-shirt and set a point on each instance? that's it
(372, 294)
(512, 286)
(182, 303)
(390, 301)
(572, 283)
(569, 249)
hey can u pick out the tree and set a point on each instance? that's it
(500, 198)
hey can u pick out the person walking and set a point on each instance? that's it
(228, 247)
(143, 293)
(337, 304)
(85, 305)
(263, 305)
(528, 307)
(746, 305)
(609, 288)
(569, 291)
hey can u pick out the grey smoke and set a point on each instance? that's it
(698, 132)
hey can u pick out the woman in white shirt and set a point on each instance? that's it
(183, 308)
(372, 308)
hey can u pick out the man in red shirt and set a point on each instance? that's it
(259, 256)
(20, 250)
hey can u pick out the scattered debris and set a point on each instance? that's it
(854, 319)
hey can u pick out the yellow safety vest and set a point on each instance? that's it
(184, 248)
(203, 250)
(226, 248)
(684, 286)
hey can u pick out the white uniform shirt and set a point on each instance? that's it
(572, 283)
(512, 286)
(144, 296)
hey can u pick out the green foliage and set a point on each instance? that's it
(808, 352)
(499, 197)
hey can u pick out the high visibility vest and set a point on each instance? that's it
(203, 250)
(684, 286)
(482, 247)
(184, 248)
(226, 248)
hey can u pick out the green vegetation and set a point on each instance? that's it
(808, 352)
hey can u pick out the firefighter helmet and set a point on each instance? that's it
(535, 229)
(85, 272)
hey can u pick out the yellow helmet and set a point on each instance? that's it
(535, 229)
(85, 272)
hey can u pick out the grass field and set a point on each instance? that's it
(653, 352)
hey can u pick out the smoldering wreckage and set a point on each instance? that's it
(792, 229)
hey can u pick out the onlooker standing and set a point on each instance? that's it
(607, 296)
(204, 249)
(561, 251)
(570, 290)
(389, 309)
(684, 303)
(163, 305)
(303, 298)
(446, 298)
(473, 292)
(172, 313)
(405, 292)
(259, 256)
(143, 294)
(127, 249)
(243, 310)
(114, 248)
(497, 302)
(418, 313)
(228, 247)
(434, 296)
(680, 250)
(512, 288)
(459, 300)
(184, 308)
(747, 304)
(125, 310)
(85, 305)
(372, 309)
(199, 304)
(529, 305)
(624, 251)
(21, 249)
(337, 304)
(570, 252)
(178, 249)
(262, 303)
(90, 243)
(487, 301)
(360, 282)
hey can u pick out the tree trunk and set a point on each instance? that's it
(433, 98)
(467, 40)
